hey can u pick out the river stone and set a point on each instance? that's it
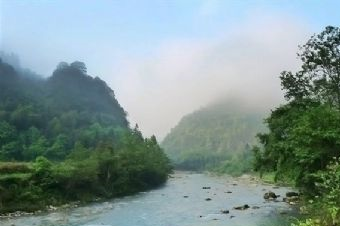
(291, 200)
(269, 195)
(244, 207)
(291, 194)
(225, 211)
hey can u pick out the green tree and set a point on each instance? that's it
(319, 76)
(79, 66)
(59, 150)
(9, 145)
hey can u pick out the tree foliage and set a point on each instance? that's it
(319, 77)
(304, 134)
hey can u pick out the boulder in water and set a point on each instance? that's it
(270, 195)
(244, 207)
(225, 211)
(292, 194)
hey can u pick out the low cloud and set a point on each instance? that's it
(185, 74)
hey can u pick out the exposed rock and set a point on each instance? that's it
(291, 199)
(292, 193)
(206, 187)
(225, 211)
(269, 195)
(244, 207)
(51, 208)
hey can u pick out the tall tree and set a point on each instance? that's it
(319, 76)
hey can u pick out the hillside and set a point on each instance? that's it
(214, 137)
(66, 138)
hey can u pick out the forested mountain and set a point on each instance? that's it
(69, 106)
(67, 138)
(215, 137)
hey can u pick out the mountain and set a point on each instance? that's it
(68, 104)
(66, 138)
(216, 137)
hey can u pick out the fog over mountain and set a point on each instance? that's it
(184, 75)
(172, 67)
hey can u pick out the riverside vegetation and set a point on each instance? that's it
(303, 142)
(66, 138)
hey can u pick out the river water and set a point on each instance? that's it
(180, 202)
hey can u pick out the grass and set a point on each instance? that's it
(15, 167)
(15, 176)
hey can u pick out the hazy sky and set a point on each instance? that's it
(167, 58)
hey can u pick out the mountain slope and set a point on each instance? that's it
(68, 105)
(213, 136)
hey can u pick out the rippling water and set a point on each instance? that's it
(181, 202)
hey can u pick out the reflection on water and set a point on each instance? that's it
(181, 202)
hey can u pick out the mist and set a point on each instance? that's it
(185, 74)
(162, 67)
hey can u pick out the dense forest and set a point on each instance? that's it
(218, 138)
(303, 142)
(66, 138)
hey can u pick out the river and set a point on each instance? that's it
(180, 202)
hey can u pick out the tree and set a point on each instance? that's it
(9, 146)
(62, 66)
(58, 150)
(36, 144)
(319, 76)
(79, 66)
